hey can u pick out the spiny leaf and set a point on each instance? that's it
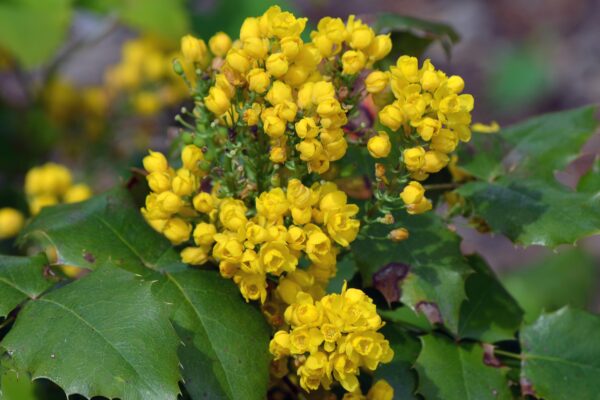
(561, 355)
(103, 335)
(225, 342)
(106, 227)
(21, 278)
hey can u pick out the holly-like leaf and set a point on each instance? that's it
(561, 355)
(105, 335)
(567, 278)
(452, 371)
(434, 284)
(399, 373)
(536, 148)
(106, 227)
(21, 278)
(490, 313)
(590, 182)
(32, 30)
(533, 211)
(407, 317)
(225, 342)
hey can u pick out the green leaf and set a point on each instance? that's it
(536, 148)
(21, 278)
(15, 386)
(346, 269)
(105, 335)
(398, 373)
(437, 267)
(452, 371)
(413, 35)
(106, 227)
(32, 30)
(566, 278)
(490, 314)
(561, 355)
(407, 317)
(533, 211)
(590, 182)
(225, 342)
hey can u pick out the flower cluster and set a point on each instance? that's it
(51, 184)
(272, 82)
(381, 390)
(332, 338)
(433, 114)
(286, 225)
(145, 76)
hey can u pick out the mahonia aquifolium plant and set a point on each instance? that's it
(253, 191)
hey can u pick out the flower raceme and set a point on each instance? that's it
(332, 338)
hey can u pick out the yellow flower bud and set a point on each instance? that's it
(204, 202)
(309, 149)
(398, 235)
(177, 230)
(376, 81)
(430, 80)
(194, 255)
(329, 107)
(191, 155)
(155, 162)
(238, 60)
(353, 61)
(277, 64)
(217, 101)
(455, 84)
(296, 75)
(391, 116)
(38, 202)
(381, 390)
(277, 154)
(414, 158)
(184, 183)
(412, 193)
(193, 50)
(11, 222)
(287, 110)
(307, 128)
(204, 234)
(284, 24)
(379, 146)
(249, 29)
(428, 127)
(256, 48)
(223, 83)
(274, 126)
(434, 161)
(290, 46)
(361, 37)
(322, 91)
(77, 193)
(323, 43)
(279, 93)
(445, 141)
(252, 114)
(169, 203)
(380, 47)
(409, 67)
(258, 80)
(219, 44)
(252, 286)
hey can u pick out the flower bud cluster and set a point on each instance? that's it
(429, 108)
(51, 184)
(332, 338)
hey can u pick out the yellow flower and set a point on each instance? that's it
(414, 158)
(249, 28)
(309, 149)
(252, 115)
(279, 93)
(274, 126)
(287, 110)
(191, 155)
(455, 84)
(232, 214)
(256, 48)
(204, 234)
(219, 44)
(304, 339)
(361, 35)
(379, 146)
(329, 107)
(391, 116)
(217, 101)
(434, 161)
(282, 24)
(307, 128)
(238, 60)
(445, 141)
(380, 47)
(353, 61)
(49, 179)
(290, 46)
(258, 80)
(184, 183)
(11, 222)
(77, 193)
(399, 234)
(193, 50)
(252, 286)
(280, 344)
(277, 154)
(314, 372)
(194, 255)
(296, 237)
(428, 127)
(169, 203)
(381, 390)
(413, 193)
(177, 230)
(204, 202)
(376, 81)
(277, 64)
(228, 248)
(272, 204)
(483, 128)
(341, 226)
(409, 68)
